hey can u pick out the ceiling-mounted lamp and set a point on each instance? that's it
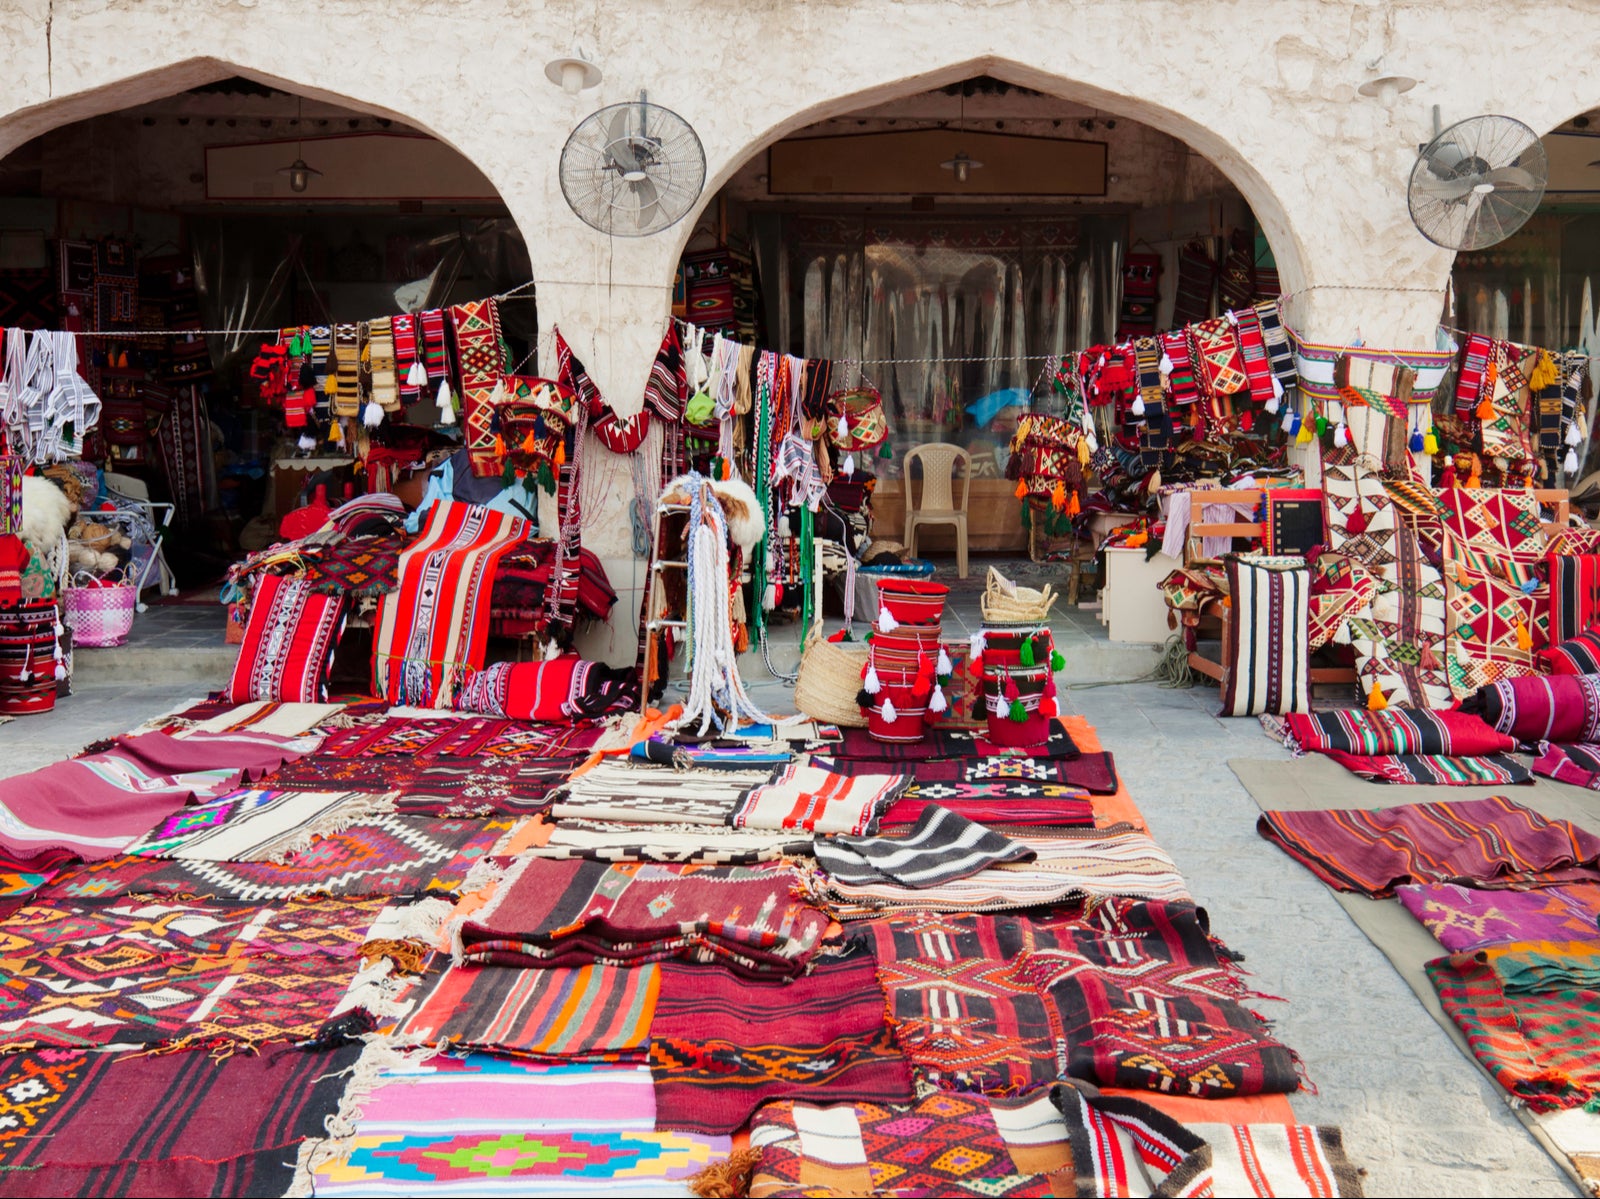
(299, 171)
(573, 74)
(963, 164)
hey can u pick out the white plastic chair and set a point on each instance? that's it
(940, 463)
(132, 492)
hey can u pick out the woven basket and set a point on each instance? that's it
(1004, 602)
(101, 616)
(830, 677)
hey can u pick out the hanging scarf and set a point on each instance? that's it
(406, 353)
(1222, 365)
(1469, 383)
(1280, 353)
(1253, 349)
(482, 354)
(435, 352)
(1156, 434)
(1179, 367)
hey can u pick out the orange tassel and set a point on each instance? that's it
(561, 453)
(1137, 540)
(1486, 410)
(1022, 490)
(1375, 700)
(1058, 496)
(529, 445)
(499, 446)
(1073, 506)
(1524, 638)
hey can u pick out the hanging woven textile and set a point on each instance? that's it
(482, 354)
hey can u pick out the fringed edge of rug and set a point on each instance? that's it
(359, 808)
(728, 1179)
(486, 872)
(407, 933)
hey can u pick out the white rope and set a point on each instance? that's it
(716, 692)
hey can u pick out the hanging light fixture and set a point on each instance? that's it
(573, 73)
(299, 171)
(963, 164)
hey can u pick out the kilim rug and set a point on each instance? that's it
(819, 801)
(1278, 1159)
(225, 976)
(1068, 864)
(545, 913)
(393, 856)
(1436, 770)
(453, 787)
(1094, 772)
(721, 1046)
(481, 352)
(1539, 1044)
(639, 794)
(1493, 543)
(1465, 919)
(257, 825)
(699, 844)
(577, 1012)
(961, 1016)
(1399, 640)
(1491, 843)
(431, 632)
(939, 744)
(1065, 1141)
(1039, 805)
(354, 566)
(453, 737)
(76, 1123)
(289, 643)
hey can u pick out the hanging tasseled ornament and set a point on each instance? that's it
(886, 621)
(1247, 421)
(417, 376)
(1375, 700)
(1058, 496)
(843, 428)
(1341, 435)
(944, 668)
(1166, 363)
(997, 705)
(769, 598)
(1018, 713)
(1356, 523)
(1277, 389)
(889, 713)
(938, 703)
(307, 443)
(447, 407)
(335, 433)
(783, 526)
(1048, 705)
(1486, 409)
(308, 375)
(863, 698)
(886, 450)
(976, 644)
(1303, 434)
(1322, 425)
(1083, 451)
(372, 414)
(1570, 462)
(1021, 489)
(1529, 586)
(1524, 638)
(1447, 477)
(1430, 443)
(1057, 662)
(872, 684)
(1287, 422)
(1025, 654)
(1416, 443)
(1573, 438)
(848, 467)
(1137, 407)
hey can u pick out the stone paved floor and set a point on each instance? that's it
(1415, 1113)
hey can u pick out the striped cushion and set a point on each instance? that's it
(1580, 655)
(1574, 594)
(1269, 666)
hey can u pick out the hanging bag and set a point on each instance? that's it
(856, 420)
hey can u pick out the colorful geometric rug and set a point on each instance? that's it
(1465, 919)
(76, 1123)
(394, 856)
(257, 825)
(455, 787)
(464, 737)
(721, 1046)
(430, 633)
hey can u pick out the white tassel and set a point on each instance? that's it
(843, 430)
(1093, 444)
(997, 705)
(1166, 363)
(886, 621)
(307, 442)
(1574, 437)
(783, 527)
(372, 414)
(938, 703)
(944, 665)
(1137, 408)
(417, 376)
(1341, 435)
(1288, 420)
(447, 408)
(61, 672)
(1277, 387)
(1570, 465)
(977, 643)
(848, 467)
(1274, 403)
(769, 597)
(889, 713)
(872, 685)
(1232, 319)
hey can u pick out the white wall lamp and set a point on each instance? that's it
(573, 73)
(1387, 88)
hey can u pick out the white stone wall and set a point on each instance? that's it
(1265, 89)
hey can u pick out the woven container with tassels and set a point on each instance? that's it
(830, 678)
(1028, 693)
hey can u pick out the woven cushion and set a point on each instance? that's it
(1269, 665)
(288, 644)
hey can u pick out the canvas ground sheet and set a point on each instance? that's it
(79, 1123)
(1572, 1136)
(721, 1046)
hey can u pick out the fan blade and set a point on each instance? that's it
(646, 192)
(617, 129)
(1515, 177)
(647, 216)
(1445, 190)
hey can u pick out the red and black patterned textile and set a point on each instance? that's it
(288, 643)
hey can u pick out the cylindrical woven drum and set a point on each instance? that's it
(101, 616)
(1030, 688)
(28, 658)
(1002, 647)
(904, 649)
(910, 710)
(913, 601)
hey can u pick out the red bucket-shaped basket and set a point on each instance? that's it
(904, 649)
(1035, 692)
(897, 713)
(28, 658)
(912, 601)
(1002, 647)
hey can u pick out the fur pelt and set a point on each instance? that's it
(46, 512)
(740, 507)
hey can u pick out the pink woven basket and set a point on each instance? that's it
(101, 617)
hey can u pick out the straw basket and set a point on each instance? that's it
(1006, 603)
(830, 677)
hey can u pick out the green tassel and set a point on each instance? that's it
(1027, 517)
(1025, 656)
(1056, 660)
(871, 633)
(547, 478)
(944, 679)
(508, 474)
(884, 451)
(1018, 712)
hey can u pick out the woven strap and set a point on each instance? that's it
(1253, 349)
(1469, 383)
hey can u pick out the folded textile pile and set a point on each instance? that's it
(1491, 843)
(1094, 772)
(999, 801)
(819, 801)
(1408, 745)
(942, 744)
(1464, 919)
(573, 913)
(700, 844)
(638, 794)
(1067, 864)
(940, 847)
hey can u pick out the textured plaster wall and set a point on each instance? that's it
(1264, 89)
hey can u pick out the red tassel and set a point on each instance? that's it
(1247, 420)
(1447, 477)
(1356, 522)
(1048, 706)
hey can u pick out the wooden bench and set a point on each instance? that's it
(1223, 610)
